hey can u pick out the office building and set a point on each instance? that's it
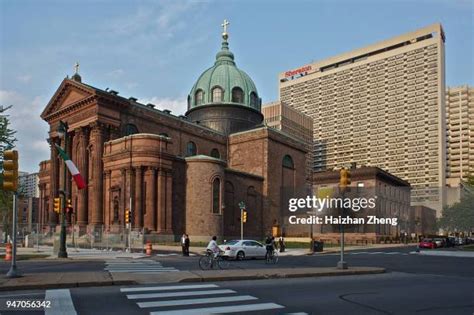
(28, 184)
(382, 105)
(460, 133)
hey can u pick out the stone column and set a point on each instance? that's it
(82, 165)
(97, 138)
(169, 203)
(150, 179)
(161, 198)
(138, 211)
(107, 201)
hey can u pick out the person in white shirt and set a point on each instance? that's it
(183, 244)
(213, 247)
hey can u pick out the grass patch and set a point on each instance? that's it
(469, 247)
(26, 257)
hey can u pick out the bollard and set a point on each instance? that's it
(8, 252)
(149, 248)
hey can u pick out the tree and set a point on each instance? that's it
(7, 141)
(460, 216)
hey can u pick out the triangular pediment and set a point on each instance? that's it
(68, 94)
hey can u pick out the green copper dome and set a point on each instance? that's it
(224, 83)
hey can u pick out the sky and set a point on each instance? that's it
(155, 50)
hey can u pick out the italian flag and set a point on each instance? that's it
(72, 168)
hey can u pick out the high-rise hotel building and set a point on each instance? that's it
(381, 105)
(460, 133)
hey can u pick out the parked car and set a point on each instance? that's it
(241, 249)
(440, 242)
(450, 241)
(427, 243)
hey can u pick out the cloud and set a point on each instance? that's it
(24, 78)
(116, 73)
(153, 22)
(177, 106)
(31, 130)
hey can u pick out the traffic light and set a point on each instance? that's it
(57, 205)
(69, 205)
(345, 178)
(10, 170)
(244, 216)
(127, 216)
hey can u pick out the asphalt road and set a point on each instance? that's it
(391, 293)
(393, 259)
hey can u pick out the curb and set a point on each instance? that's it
(66, 285)
(284, 276)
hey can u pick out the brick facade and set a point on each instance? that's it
(135, 156)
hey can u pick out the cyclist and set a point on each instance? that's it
(213, 247)
(270, 246)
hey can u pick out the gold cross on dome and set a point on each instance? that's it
(76, 68)
(224, 26)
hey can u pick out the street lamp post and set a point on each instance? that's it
(62, 131)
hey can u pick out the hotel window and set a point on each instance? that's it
(237, 95)
(199, 97)
(217, 94)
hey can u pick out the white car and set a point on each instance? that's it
(241, 249)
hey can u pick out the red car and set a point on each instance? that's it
(427, 243)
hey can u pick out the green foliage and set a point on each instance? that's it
(460, 216)
(7, 142)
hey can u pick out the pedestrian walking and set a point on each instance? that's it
(281, 242)
(183, 244)
(186, 245)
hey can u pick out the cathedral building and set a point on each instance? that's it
(177, 174)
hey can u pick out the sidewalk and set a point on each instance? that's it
(448, 253)
(103, 278)
(160, 250)
(80, 253)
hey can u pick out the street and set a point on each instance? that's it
(391, 293)
(413, 284)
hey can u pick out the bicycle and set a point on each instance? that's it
(271, 257)
(209, 260)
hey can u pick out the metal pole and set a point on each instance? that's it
(62, 239)
(37, 237)
(342, 264)
(241, 224)
(130, 226)
(13, 272)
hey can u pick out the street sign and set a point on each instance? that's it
(242, 205)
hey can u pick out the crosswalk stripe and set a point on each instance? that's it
(197, 301)
(392, 253)
(177, 294)
(373, 253)
(300, 313)
(61, 302)
(222, 309)
(143, 270)
(169, 288)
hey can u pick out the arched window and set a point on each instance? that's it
(216, 195)
(130, 129)
(191, 149)
(215, 153)
(217, 94)
(288, 162)
(189, 101)
(237, 95)
(199, 97)
(253, 99)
